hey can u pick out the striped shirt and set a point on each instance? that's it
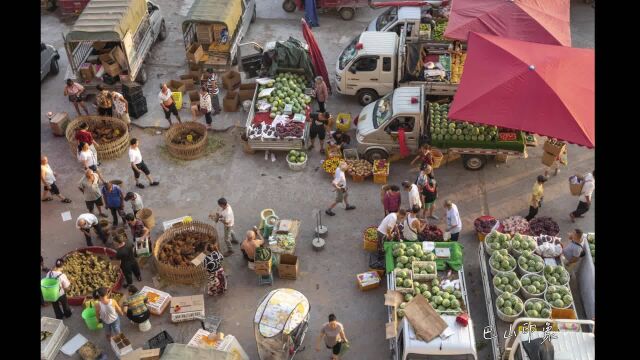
(136, 303)
(211, 88)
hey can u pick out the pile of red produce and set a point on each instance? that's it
(484, 224)
(432, 233)
(515, 224)
(291, 129)
(544, 225)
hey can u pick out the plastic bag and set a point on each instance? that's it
(266, 92)
(344, 348)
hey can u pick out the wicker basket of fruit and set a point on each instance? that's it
(186, 141)
(359, 169)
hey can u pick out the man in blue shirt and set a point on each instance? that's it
(114, 201)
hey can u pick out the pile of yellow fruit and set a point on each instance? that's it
(457, 65)
(331, 164)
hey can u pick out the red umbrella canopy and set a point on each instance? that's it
(319, 67)
(544, 89)
(539, 21)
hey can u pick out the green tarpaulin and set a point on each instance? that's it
(291, 54)
(454, 262)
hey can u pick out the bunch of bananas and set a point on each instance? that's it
(88, 272)
(457, 66)
(331, 164)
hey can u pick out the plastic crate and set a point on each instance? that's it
(350, 154)
(50, 346)
(159, 341)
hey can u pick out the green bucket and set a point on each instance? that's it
(50, 289)
(89, 317)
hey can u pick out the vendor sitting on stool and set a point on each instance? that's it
(135, 306)
(338, 138)
(251, 242)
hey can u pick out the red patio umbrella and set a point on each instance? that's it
(545, 22)
(544, 89)
(319, 67)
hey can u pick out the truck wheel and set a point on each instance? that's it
(347, 13)
(376, 154)
(55, 68)
(367, 96)
(473, 162)
(289, 6)
(163, 31)
(253, 18)
(142, 75)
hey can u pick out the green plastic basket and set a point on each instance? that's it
(89, 317)
(50, 289)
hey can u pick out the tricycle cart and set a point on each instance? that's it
(346, 8)
(280, 324)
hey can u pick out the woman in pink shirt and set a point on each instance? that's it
(321, 92)
(391, 200)
(75, 93)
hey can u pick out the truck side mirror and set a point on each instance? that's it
(352, 69)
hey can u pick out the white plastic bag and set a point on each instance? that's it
(266, 92)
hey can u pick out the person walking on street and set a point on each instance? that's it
(585, 196)
(75, 93)
(340, 187)
(138, 166)
(167, 104)
(61, 306)
(537, 193)
(560, 159)
(389, 227)
(48, 180)
(89, 186)
(318, 129)
(253, 240)
(216, 278)
(135, 305)
(333, 334)
(391, 199)
(128, 262)
(136, 202)
(108, 310)
(83, 135)
(85, 223)
(114, 201)
(104, 101)
(454, 224)
(203, 107)
(414, 194)
(212, 88)
(430, 194)
(321, 93)
(227, 219)
(121, 108)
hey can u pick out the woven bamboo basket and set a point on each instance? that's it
(190, 151)
(182, 274)
(106, 151)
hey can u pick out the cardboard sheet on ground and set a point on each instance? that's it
(66, 216)
(71, 346)
(425, 321)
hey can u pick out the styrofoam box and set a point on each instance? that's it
(50, 346)
(157, 307)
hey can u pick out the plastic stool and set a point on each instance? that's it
(144, 326)
(265, 279)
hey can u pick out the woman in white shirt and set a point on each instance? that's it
(412, 227)
(88, 159)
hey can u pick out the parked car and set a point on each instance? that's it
(48, 61)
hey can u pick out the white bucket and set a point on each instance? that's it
(144, 326)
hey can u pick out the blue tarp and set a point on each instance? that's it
(310, 13)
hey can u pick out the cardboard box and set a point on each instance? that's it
(553, 149)
(87, 72)
(194, 97)
(119, 56)
(110, 65)
(368, 280)
(288, 267)
(231, 80)
(246, 91)
(548, 159)
(189, 82)
(141, 354)
(263, 267)
(195, 52)
(187, 304)
(230, 102)
(176, 86)
(59, 123)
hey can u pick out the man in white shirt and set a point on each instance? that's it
(454, 224)
(585, 196)
(136, 201)
(138, 166)
(388, 226)
(340, 187)
(61, 305)
(85, 223)
(414, 194)
(227, 219)
(167, 104)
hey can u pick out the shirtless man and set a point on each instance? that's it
(167, 104)
(253, 240)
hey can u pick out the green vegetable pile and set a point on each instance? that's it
(556, 275)
(520, 243)
(537, 308)
(404, 279)
(502, 261)
(530, 262)
(558, 296)
(297, 157)
(498, 241)
(509, 304)
(424, 269)
(443, 129)
(404, 255)
(507, 282)
(534, 284)
(289, 89)
(263, 254)
(438, 32)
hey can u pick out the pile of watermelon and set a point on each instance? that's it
(289, 89)
(404, 255)
(297, 157)
(443, 129)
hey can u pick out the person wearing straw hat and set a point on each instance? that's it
(340, 187)
(61, 306)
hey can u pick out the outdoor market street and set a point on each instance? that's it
(250, 184)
